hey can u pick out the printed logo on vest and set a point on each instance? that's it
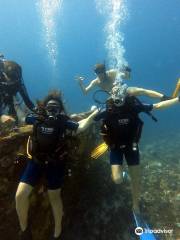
(124, 121)
(47, 130)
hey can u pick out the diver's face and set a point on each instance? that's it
(53, 108)
(118, 102)
(101, 75)
(113, 104)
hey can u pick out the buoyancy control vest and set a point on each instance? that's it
(12, 69)
(122, 126)
(13, 72)
(48, 138)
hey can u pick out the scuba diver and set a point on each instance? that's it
(49, 153)
(11, 83)
(106, 80)
(121, 130)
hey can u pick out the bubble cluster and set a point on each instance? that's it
(115, 12)
(49, 11)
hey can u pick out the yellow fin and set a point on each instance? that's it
(99, 150)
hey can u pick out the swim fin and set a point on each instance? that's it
(140, 223)
(99, 150)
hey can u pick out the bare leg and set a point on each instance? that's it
(22, 203)
(134, 172)
(117, 176)
(57, 207)
(177, 89)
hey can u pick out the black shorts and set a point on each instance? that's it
(131, 156)
(54, 174)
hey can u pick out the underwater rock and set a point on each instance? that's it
(177, 198)
(94, 207)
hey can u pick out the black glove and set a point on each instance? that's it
(164, 98)
(40, 113)
(34, 109)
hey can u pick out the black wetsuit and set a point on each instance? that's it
(121, 129)
(10, 84)
(48, 137)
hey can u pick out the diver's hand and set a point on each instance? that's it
(93, 108)
(35, 110)
(178, 83)
(165, 98)
(94, 113)
(80, 80)
(7, 119)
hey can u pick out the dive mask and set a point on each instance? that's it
(112, 104)
(53, 108)
(118, 102)
(99, 71)
(100, 68)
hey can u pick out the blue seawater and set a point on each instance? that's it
(56, 40)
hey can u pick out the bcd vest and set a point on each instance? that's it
(12, 69)
(48, 137)
(122, 127)
(14, 73)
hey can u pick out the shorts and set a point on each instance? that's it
(132, 156)
(54, 174)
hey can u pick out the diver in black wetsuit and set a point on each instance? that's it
(121, 130)
(49, 154)
(11, 83)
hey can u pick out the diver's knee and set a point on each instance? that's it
(20, 196)
(54, 195)
(22, 192)
(117, 179)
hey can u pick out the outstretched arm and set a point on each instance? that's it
(84, 89)
(135, 91)
(85, 123)
(24, 95)
(166, 104)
